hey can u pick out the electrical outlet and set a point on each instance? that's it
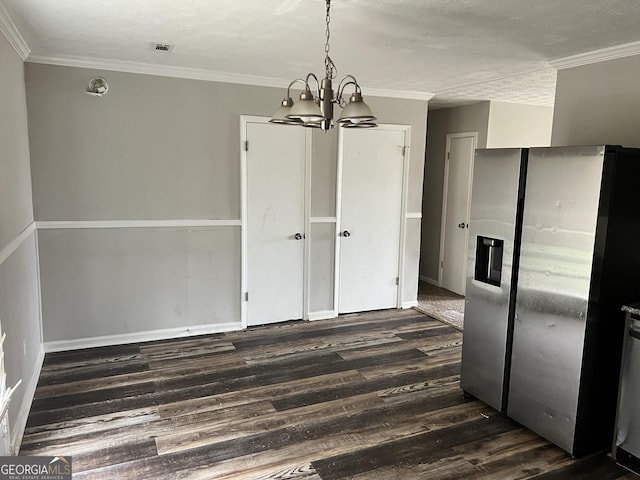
(24, 346)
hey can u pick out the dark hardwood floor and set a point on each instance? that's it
(370, 396)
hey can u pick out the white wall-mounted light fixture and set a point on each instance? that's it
(97, 87)
(315, 109)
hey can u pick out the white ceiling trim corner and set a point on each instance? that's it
(13, 36)
(601, 55)
(196, 74)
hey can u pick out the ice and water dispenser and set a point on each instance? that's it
(489, 260)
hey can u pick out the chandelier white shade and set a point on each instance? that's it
(356, 111)
(314, 109)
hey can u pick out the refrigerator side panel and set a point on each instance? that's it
(614, 283)
(494, 203)
(558, 234)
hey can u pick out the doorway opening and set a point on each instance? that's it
(441, 304)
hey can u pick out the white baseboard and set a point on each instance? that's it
(17, 430)
(147, 336)
(410, 304)
(429, 280)
(322, 315)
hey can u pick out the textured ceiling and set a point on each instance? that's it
(459, 50)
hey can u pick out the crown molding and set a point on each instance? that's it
(379, 92)
(157, 70)
(196, 74)
(601, 55)
(13, 36)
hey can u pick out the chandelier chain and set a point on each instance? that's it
(330, 68)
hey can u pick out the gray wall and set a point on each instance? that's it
(16, 210)
(157, 148)
(125, 280)
(598, 104)
(19, 306)
(515, 125)
(470, 118)
(323, 204)
(152, 148)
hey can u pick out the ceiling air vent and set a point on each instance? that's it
(162, 47)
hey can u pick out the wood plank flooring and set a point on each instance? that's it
(368, 396)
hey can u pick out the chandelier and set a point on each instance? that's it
(314, 109)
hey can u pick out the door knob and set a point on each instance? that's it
(346, 233)
(298, 236)
(461, 225)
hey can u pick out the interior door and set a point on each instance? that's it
(275, 222)
(371, 207)
(455, 234)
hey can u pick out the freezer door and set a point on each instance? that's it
(494, 203)
(559, 225)
(628, 423)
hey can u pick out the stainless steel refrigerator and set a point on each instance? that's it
(551, 318)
